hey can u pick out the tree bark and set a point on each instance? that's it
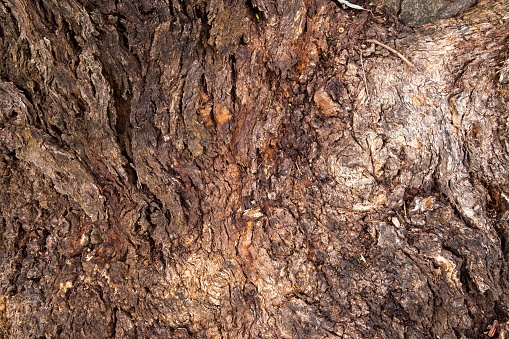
(252, 169)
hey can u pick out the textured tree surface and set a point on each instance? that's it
(417, 12)
(252, 169)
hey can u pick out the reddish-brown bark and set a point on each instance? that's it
(232, 169)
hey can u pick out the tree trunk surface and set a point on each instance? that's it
(252, 169)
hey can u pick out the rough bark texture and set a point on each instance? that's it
(233, 169)
(418, 12)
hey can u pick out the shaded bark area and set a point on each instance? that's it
(251, 169)
(418, 12)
